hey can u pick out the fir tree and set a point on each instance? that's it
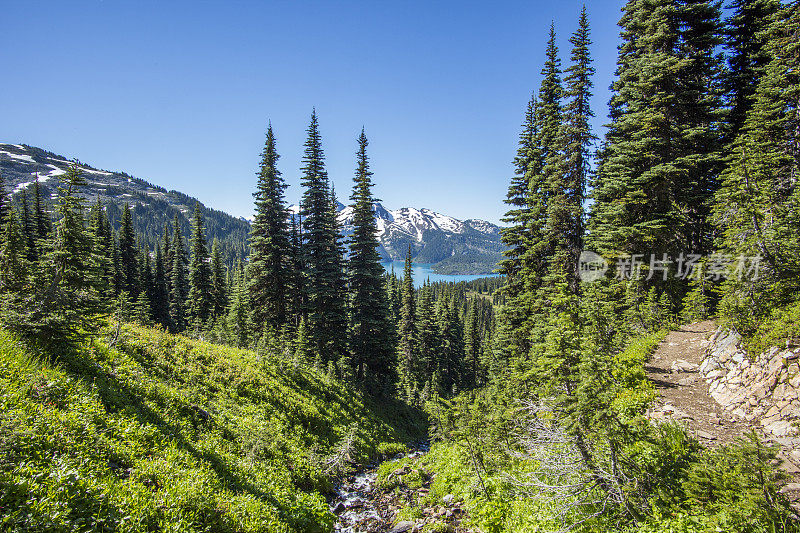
(325, 307)
(179, 289)
(297, 284)
(472, 346)
(146, 297)
(336, 309)
(160, 290)
(758, 204)
(451, 347)
(239, 322)
(64, 304)
(14, 265)
(747, 37)
(371, 346)
(426, 334)
(219, 289)
(104, 247)
(407, 331)
(658, 168)
(3, 204)
(304, 351)
(27, 227)
(43, 224)
(568, 185)
(127, 254)
(270, 244)
(200, 290)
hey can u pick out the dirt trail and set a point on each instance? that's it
(684, 394)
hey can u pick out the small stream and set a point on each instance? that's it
(358, 504)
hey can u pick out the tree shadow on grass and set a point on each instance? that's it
(118, 397)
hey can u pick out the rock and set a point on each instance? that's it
(680, 365)
(686, 381)
(447, 499)
(339, 509)
(791, 487)
(681, 415)
(402, 526)
(705, 435)
(780, 428)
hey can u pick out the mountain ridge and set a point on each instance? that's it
(451, 245)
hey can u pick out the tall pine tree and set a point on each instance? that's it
(270, 246)
(324, 306)
(200, 302)
(178, 286)
(371, 346)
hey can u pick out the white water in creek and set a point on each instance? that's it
(355, 502)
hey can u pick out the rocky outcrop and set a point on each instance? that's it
(764, 391)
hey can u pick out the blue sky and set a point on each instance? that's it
(180, 93)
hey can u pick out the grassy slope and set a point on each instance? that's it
(163, 433)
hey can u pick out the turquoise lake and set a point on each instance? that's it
(422, 271)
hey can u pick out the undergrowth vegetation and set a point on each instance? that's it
(156, 432)
(673, 484)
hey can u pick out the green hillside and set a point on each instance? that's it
(162, 433)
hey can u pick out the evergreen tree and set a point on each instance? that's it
(297, 284)
(14, 266)
(658, 168)
(179, 289)
(219, 290)
(407, 332)
(336, 319)
(43, 224)
(426, 334)
(200, 290)
(3, 204)
(103, 241)
(371, 346)
(169, 258)
(472, 346)
(304, 352)
(64, 303)
(568, 185)
(146, 285)
(270, 245)
(116, 266)
(747, 37)
(451, 347)
(160, 290)
(325, 307)
(239, 322)
(758, 204)
(127, 254)
(27, 227)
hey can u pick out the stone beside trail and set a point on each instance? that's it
(689, 368)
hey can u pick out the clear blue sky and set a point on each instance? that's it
(179, 93)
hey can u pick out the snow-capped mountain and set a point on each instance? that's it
(453, 246)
